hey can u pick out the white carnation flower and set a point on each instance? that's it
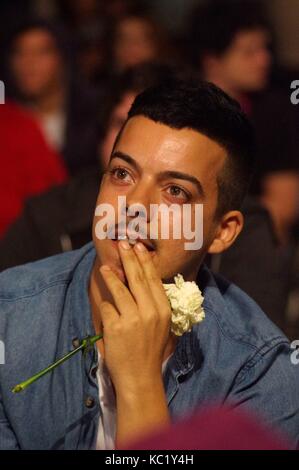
(186, 303)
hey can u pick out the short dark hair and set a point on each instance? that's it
(214, 25)
(205, 108)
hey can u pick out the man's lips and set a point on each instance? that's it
(151, 252)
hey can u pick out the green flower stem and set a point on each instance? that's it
(84, 346)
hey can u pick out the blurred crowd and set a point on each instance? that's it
(71, 70)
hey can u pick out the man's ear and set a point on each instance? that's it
(227, 231)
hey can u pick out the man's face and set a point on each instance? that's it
(142, 169)
(245, 66)
(36, 63)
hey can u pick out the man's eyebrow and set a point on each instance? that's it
(184, 176)
(125, 157)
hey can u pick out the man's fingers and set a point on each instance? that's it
(135, 275)
(122, 297)
(108, 313)
(153, 280)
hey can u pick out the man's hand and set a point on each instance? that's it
(136, 331)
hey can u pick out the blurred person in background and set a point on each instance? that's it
(90, 23)
(86, 21)
(91, 56)
(91, 14)
(61, 219)
(81, 15)
(28, 165)
(43, 81)
(230, 44)
(136, 38)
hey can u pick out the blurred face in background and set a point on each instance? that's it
(245, 65)
(36, 63)
(84, 8)
(134, 42)
(116, 121)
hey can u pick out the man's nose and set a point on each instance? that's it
(138, 202)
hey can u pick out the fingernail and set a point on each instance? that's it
(140, 246)
(125, 244)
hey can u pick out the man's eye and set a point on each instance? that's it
(120, 174)
(178, 192)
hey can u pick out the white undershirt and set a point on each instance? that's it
(107, 422)
(54, 126)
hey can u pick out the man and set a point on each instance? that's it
(231, 47)
(182, 144)
(55, 222)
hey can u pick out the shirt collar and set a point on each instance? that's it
(81, 318)
(81, 324)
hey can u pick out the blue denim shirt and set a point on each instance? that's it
(236, 355)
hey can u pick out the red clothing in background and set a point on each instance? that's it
(215, 428)
(28, 165)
